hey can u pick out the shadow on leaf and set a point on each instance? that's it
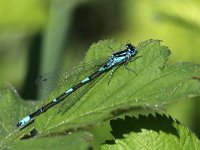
(132, 124)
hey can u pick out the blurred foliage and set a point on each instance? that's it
(176, 22)
(19, 21)
(21, 15)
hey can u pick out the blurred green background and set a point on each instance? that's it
(38, 36)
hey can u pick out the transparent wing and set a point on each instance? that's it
(74, 98)
(55, 79)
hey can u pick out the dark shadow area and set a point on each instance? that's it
(29, 90)
(96, 19)
(196, 117)
(133, 124)
(31, 134)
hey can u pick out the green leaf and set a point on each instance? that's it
(155, 84)
(73, 141)
(12, 107)
(152, 132)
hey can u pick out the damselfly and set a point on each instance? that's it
(117, 59)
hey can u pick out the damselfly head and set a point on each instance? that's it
(131, 49)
